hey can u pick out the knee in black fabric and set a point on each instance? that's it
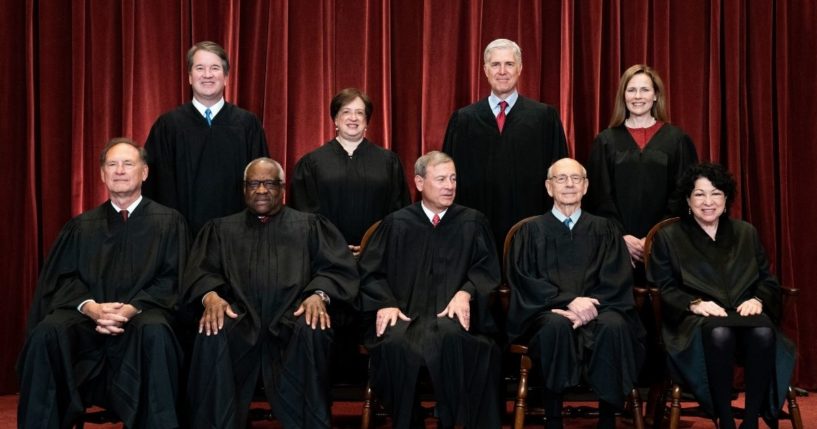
(761, 337)
(720, 338)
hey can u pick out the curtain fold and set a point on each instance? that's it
(76, 73)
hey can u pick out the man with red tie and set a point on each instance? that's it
(503, 144)
(426, 276)
(100, 328)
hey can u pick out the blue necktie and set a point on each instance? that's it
(207, 116)
(567, 222)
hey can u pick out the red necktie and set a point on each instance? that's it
(124, 214)
(500, 118)
(435, 220)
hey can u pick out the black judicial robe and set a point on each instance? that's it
(503, 175)
(197, 169)
(98, 256)
(687, 264)
(264, 270)
(418, 268)
(635, 187)
(353, 192)
(549, 266)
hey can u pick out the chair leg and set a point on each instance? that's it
(635, 400)
(366, 417)
(521, 393)
(794, 409)
(675, 411)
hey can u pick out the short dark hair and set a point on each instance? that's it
(346, 96)
(211, 47)
(720, 177)
(143, 153)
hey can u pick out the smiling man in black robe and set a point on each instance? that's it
(503, 144)
(572, 298)
(263, 280)
(99, 330)
(198, 150)
(427, 274)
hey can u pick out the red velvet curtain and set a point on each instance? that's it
(76, 73)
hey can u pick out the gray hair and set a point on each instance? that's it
(503, 44)
(281, 174)
(143, 154)
(430, 159)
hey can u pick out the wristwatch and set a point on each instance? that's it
(324, 296)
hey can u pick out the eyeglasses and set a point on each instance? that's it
(562, 179)
(269, 184)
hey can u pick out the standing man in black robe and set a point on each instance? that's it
(198, 150)
(99, 330)
(502, 145)
(427, 273)
(262, 281)
(572, 298)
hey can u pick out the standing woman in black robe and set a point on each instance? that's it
(349, 180)
(635, 163)
(720, 301)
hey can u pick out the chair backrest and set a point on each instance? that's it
(651, 235)
(504, 290)
(368, 234)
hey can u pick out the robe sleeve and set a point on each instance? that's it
(204, 272)
(375, 292)
(557, 139)
(165, 288)
(399, 194)
(450, 139)
(483, 277)
(256, 139)
(615, 287)
(767, 288)
(686, 156)
(160, 185)
(531, 290)
(662, 273)
(305, 187)
(600, 194)
(333, 266)
(60, 285)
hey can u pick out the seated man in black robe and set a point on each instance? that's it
(99, 330)
(427, 273)
(572, 298)
(262, 280)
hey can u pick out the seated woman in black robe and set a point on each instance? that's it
(349, 180)
(720, 302)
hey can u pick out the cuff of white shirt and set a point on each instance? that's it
(79, 307)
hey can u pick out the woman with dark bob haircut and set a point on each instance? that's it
(720, 302)
(350, 180)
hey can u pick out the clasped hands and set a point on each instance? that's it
(459, 307)
(110, 317)
(215, 308)
(750, 307)
(580, 311)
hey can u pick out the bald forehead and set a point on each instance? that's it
(263, 168)
(566, 166)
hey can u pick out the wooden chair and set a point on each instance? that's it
(525, 362)
(675, 386)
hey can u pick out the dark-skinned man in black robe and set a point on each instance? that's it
(100, 328)
(198, 151)
(502, 168)
(572, 299)
(426, 275)
(263, 280)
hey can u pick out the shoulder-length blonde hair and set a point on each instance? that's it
(659, 107)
